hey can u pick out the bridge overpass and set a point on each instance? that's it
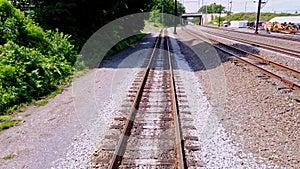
(194, 15)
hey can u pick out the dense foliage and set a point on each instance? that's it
(212, 8)
(81, 18)
(166, 7)
(32, 62)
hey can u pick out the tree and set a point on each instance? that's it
(167, 6)
(80, 18)
(212, 8)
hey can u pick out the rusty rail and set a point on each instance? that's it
(179, 140)
(274, 37)
(120, 149)
(290, 52)
(122, 143)
(288, 83)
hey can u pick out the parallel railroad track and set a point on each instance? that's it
(290, 38)
(277, 48)
(249, 60)
(149, 134)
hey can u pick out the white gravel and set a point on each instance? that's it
(114, 78)
(217, 148)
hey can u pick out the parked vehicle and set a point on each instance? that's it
(238, 24)
(226, 23)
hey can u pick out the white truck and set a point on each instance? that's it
(238, 24)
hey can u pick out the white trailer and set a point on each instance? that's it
(238, 24)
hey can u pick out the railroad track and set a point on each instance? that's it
(290, 38)
(249, 60)
(148, 134)
(288, 51)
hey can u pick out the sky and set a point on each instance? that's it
(290, 6)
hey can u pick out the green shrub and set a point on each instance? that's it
(32, 61)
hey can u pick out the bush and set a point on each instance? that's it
(32, 61)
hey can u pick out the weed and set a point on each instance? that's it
(8, 123)
(26, 115)
(42, 102)
(4, 118)
(8, 157)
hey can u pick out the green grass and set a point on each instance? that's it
(4, 118)
(8, 157)
(79, 73)
(155, 24)
(123, 44)
(42, 102)
(7, 122)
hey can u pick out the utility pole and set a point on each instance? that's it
(162, 12)
(175, 17)
(220, 18)
(257, 17)
(228, 5)
(205, 13)
(245, 6)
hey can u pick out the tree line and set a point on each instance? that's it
(81, 18)
(41, 39)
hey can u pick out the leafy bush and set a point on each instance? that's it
(32, 61)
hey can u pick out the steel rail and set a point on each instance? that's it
(179, 141)
(256, 57)
(122, 143)
(121, 146)
(262, 35)
(287, 82)
(294, 53)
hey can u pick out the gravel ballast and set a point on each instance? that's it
(283, 59)
(260, 117)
